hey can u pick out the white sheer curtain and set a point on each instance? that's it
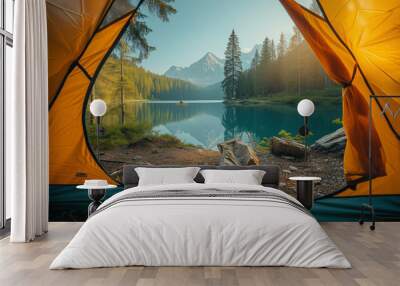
(27, 124)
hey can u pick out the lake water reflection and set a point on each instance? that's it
(206, 123)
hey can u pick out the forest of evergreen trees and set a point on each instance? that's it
(127, 81)
(288, 66)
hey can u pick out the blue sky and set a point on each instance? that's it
(202, 26)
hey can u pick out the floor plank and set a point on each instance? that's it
(375, 257)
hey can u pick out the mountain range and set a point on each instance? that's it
(209, 70)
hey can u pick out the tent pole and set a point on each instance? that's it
(370, 164)
(370, 152)
(369, 205)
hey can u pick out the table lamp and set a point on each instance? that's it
(305, 108)
(98, 108)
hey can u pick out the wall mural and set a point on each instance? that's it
(179, 84)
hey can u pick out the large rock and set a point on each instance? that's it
(333, 142)
(237, 153)
(284, 147)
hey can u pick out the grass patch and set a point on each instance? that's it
(114, 137)
(265, 143)
(111, 137)
(322, 96)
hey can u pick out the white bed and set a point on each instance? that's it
(202, 231)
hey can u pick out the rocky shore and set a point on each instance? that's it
(325, 160)
(156, 152)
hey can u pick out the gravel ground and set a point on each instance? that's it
(327, 166)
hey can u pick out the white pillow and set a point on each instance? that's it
(166, 176)
(247, 177)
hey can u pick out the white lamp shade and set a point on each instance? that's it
(305, 107)
(98, 107)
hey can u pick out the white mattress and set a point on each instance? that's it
(200, 231)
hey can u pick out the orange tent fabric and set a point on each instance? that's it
(77, 50)
(357, 43)
(70, 25)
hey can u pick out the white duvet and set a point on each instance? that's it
(200, 231)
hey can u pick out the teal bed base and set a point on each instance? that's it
(69, 204)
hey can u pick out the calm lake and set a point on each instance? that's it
(207, 123)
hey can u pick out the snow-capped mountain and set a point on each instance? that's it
(206, 71)
(209, 69)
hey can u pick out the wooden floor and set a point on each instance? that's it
(375, 257)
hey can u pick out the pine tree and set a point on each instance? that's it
(282, 46)
(123, 50)
(266, 52)
(138, 30)
(281, 62)
(272, 50)
(296, 39)
(274, 78)
(232, 67)
(256, 60)
(295, 46)
(253, 73)
(265, 67)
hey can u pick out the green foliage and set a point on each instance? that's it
(232, 67)
(113, 137)
(135, 36)
(123, 136)
(133, 47)
(161, 8)
(287, 68)
(265, 143)
(288, 136)
(140, 84)
(326, 96)
(282, 46)
(337, 121)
